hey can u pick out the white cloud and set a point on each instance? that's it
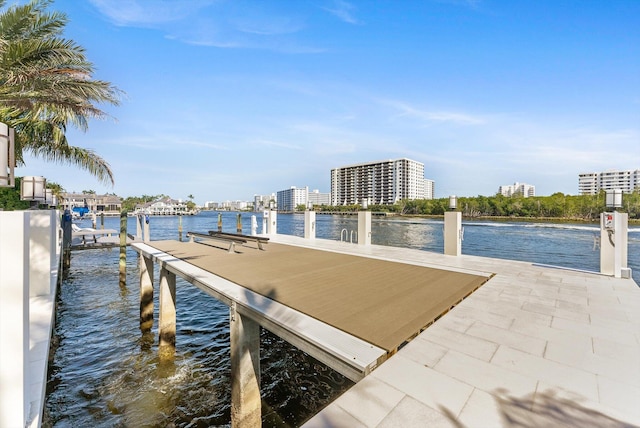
(229, 25)
(344, 11)
(144, 13)
(430, 117)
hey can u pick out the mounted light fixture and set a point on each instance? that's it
(613, 198)
(49, 198)
(32, 188)
(7, 156)
(453, 202)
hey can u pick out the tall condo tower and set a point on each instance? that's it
(382, 182)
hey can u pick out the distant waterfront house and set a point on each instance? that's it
(522, 189)
(590, 183)
(166, 206)
(108, 204)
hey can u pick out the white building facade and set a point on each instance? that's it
(381, 183)
(590, 183)
(316, 198)
(264, 202)
(522, 189)
(429, 189)
(290, 198)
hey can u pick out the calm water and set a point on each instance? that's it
(105, 373)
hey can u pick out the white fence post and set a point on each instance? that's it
(14, 318)
(40, 252)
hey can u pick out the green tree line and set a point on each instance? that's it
(558, 205)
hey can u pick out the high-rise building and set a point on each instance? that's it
(522, 189)
(316, 198)
(290, 198)
(429, 188)
(382, 182)
(590, 183)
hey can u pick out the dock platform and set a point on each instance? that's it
(534, 346)
(529, 345)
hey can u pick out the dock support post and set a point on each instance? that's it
(245, 370)
(453, 233)
(14, 318)
(146, 294)
(66, 240)
(123, 248)
(254, 225)
(265, 221)
(180, 227)
(239, 223)
(219, 222)
(147, 236)
(614, 244)
(309, 224)
(364, 227)
(272, 227)
(167, 321)
(139, 227)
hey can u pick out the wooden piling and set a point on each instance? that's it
(219, 222)
(123, 248)
(146, 294)
(66, 240)
(167, 318)
(239, 223)
(245, 370)
(180, 227)
(147, 236)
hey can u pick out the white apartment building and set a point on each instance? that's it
(526, 190)
(290, 198)
(316, 198)
(429, 189)
(382, 182)
(590, 183)
(263, 202)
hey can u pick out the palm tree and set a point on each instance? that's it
(46, 84)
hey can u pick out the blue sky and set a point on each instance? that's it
(230, 98)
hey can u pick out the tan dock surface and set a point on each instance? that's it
(382, 302)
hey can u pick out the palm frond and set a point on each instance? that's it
(46, 84)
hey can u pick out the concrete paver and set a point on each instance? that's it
(534, 346)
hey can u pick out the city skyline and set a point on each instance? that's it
(230, 99)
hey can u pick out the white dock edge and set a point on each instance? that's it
(349, 355)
